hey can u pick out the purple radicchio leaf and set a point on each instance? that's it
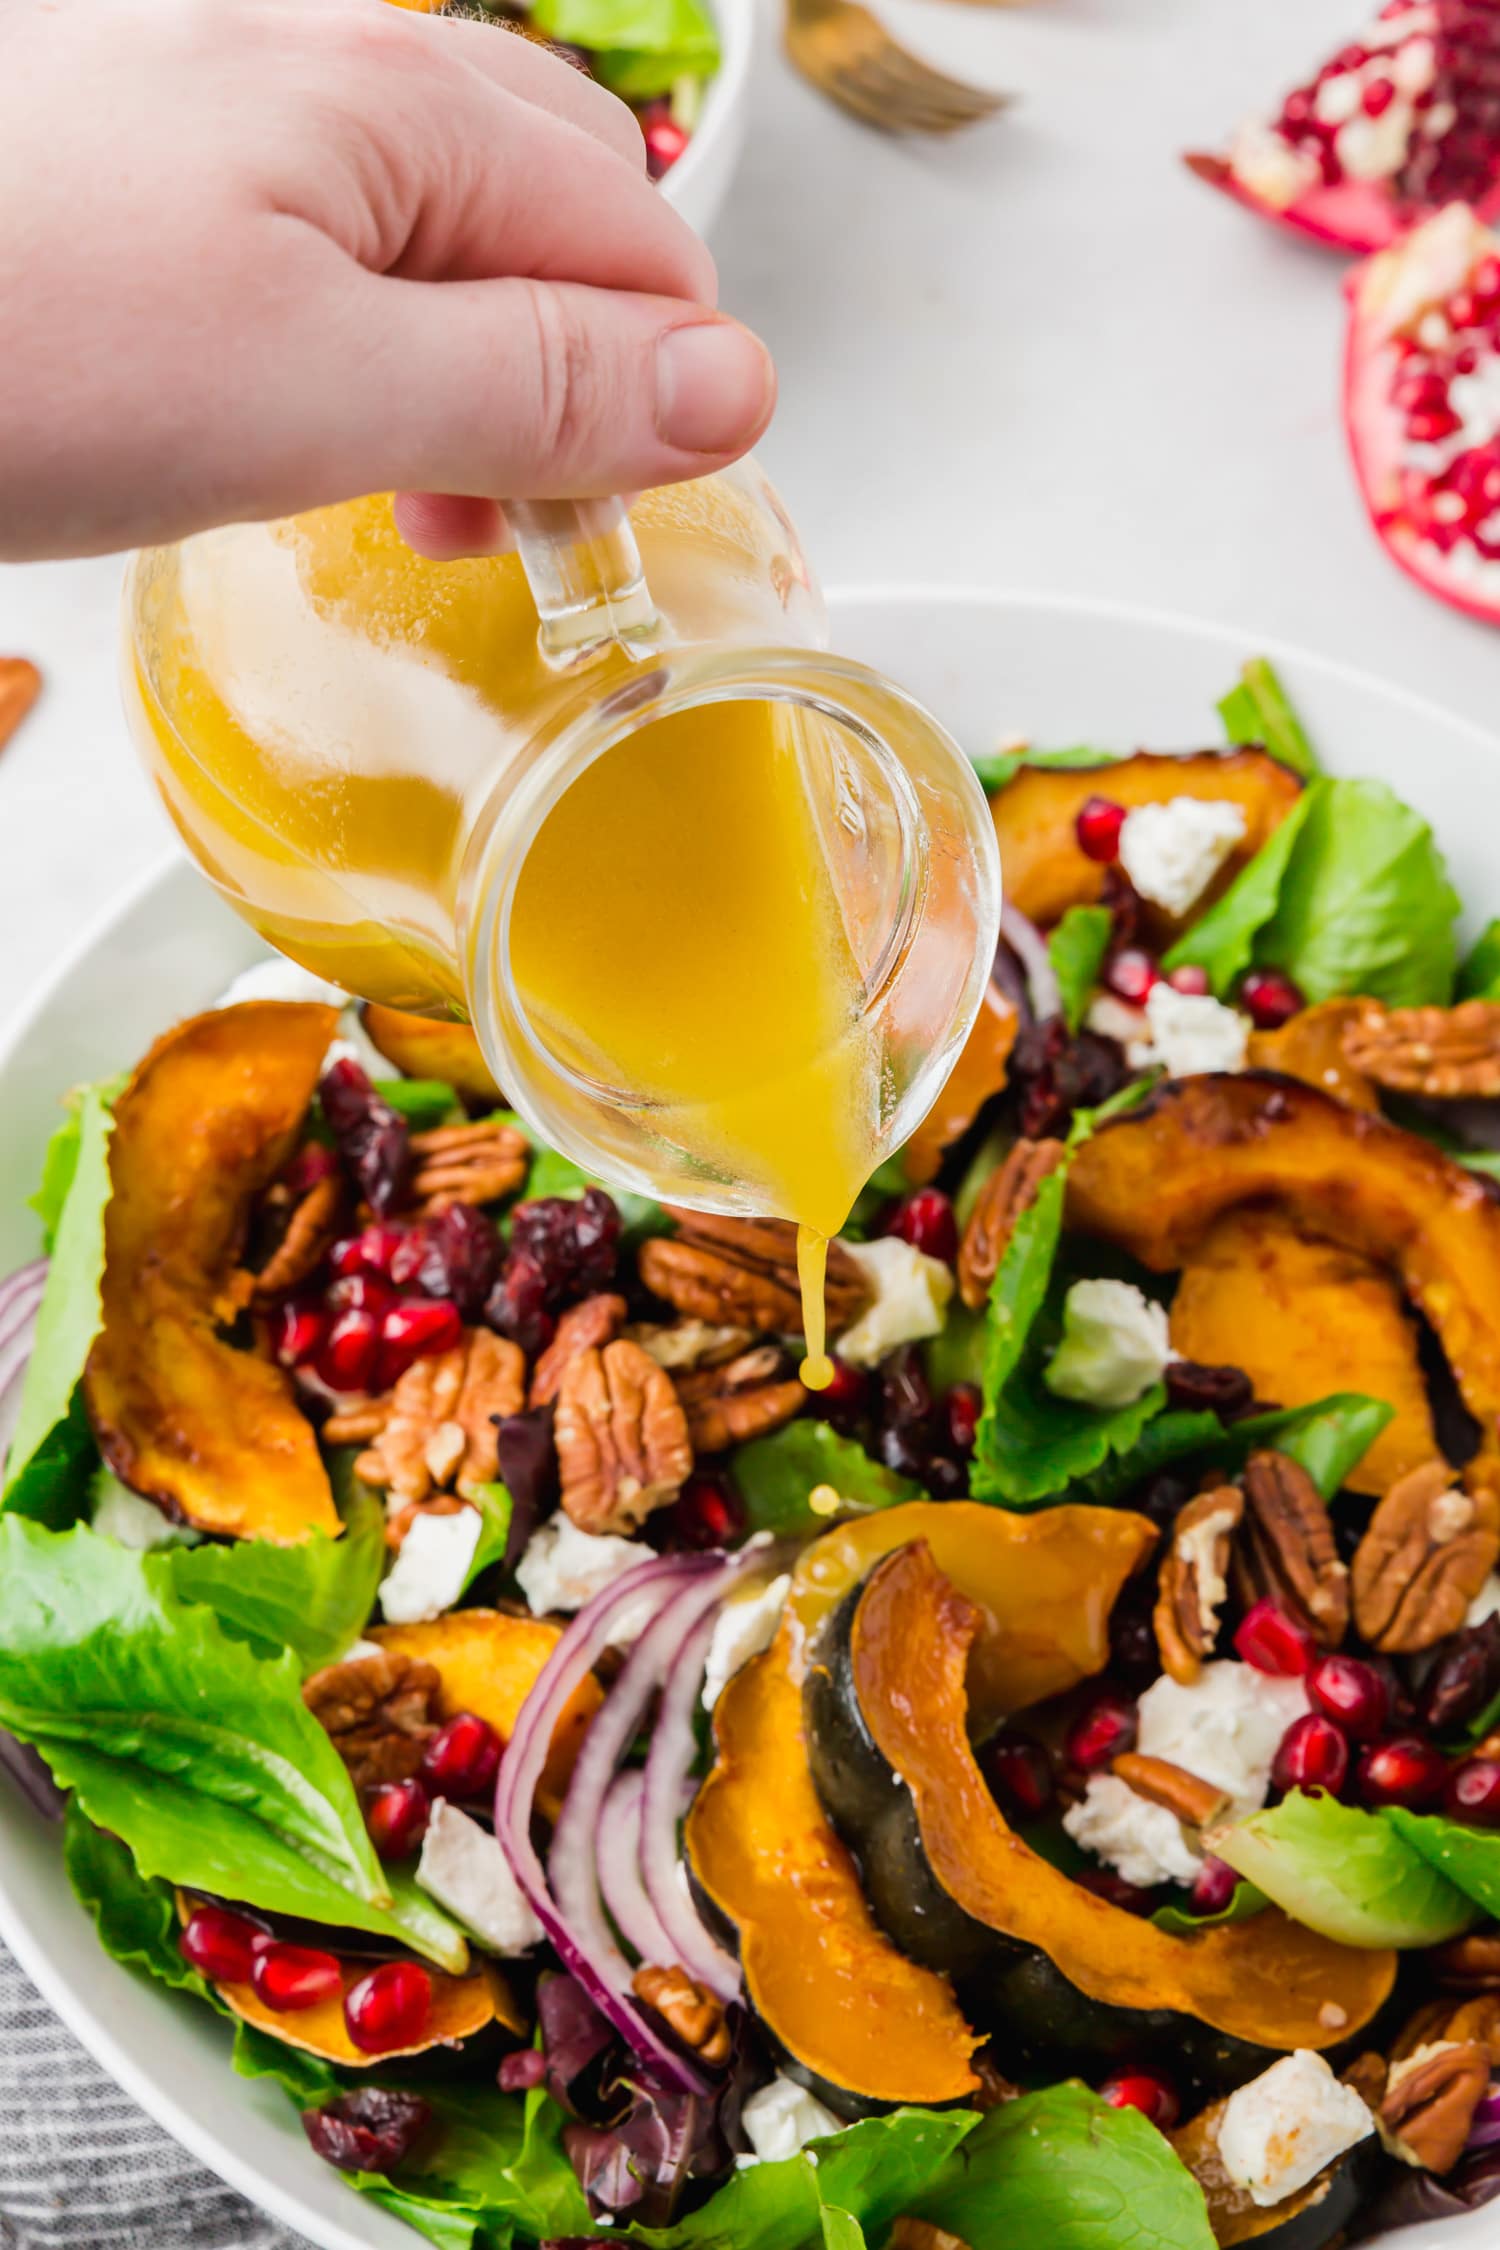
(528, 1470)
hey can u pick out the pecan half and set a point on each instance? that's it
(680, 1344)
(1010, 1190)
(583, 1327)
(745, 1398)
(1194, 1581)
(1286, 1551)
(1430, 2100)
(1464, 2022)
(467, 1163)
(20, 685)
(1196, 1802)
(379, 1711)
(357, 1422)
(440, 1429)
(695, 2015)
(622, 1440)
(743, 1273)
(1427, 1551)
(1468, 1964)
(1444, 1053)
(313, 1223)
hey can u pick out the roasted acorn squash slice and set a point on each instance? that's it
(1304, 2221)
(1305, 1319)
(979, 1073)
(213, 1435)
(1035, 815)
(1310, 1046)
(432, 1047)
(1156, 1181)
(866, 2027)
(888, 1723)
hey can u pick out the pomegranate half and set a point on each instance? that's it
(1422, 405)
(1403, 119)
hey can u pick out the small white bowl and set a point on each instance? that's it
(699, 181)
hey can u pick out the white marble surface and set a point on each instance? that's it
(1041, 356)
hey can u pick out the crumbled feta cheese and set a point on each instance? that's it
(911, 1299)
(687, 1343)
(1172, 852)
(563, 1568)
(122, 1515)
(1279, 2132)
(1189, 1032)
(276, 978)
(745, 1625)
(1116, 1019)
(1115, 1345)
(1224, 1728)
(464, 1868)
(1144, 1842)
(359, 1648)
(432, 1568)
(782, 2118)
(1486, 1602)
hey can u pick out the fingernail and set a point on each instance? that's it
(713, 386)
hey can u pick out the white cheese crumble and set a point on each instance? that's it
(1485, 1602)
(464, 1868)
(1143, 1842)
(432, 1568)
(743, 1628)
(1115, 1345)
(782, 2118)
(1279, 2132)
(912, 1293)
(1173, 851)
(563, 1568)
(1189, 1032)
(122, 1515)
(1224, 1728)
(1113, 1018)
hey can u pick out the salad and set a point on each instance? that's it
(1044, 1790)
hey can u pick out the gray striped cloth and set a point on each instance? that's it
(81, 2168)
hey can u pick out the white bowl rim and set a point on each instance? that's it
(725, 91)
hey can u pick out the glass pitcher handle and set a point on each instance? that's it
(584, 570)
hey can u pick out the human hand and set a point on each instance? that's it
(259, 255)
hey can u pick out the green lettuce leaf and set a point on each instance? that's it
(1077, 948)
(1479, 971)
(1245, 1903)
(1222, 941)
(1468, 1858)
(774, 1475)
(637, 47)
(423, 1102)
(136, 1920)
(996, 768)
(60, 1160)
(1327, 1438)
(1356, 1876)
(496, 1507)
(1257, 709)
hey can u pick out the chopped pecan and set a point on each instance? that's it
(20, 685)
(1286, 1551)
(1447, 1054)
(678, 1345)
(1193, 1583)
(745, 1398)
(1430, 2100)
(1427, 1551)
(357, 1421)
(475, 1163)
(1469, 1964)
(743, 1273)
(380, 1711)
(1367, 2074)
(583, 1327)
(313, 1223)
(1196, 1802)
(441, 1426)
(695, 2015)
(1010, 1190)
(1465, 2022)
(622, 1441)
(916, 2234)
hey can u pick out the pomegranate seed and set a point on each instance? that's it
(707, 1513)
(350, 1351)
(1213, 1886)
(963, 1407)
(462, 1757)
(1019, 1773)
(1311, 1755)
(1473, 1794)
(219, 1945)
(313, 1162)
(1189, 978)
(1378, 95)
(1352, 1693)
(665, 143)
(289, 1977)
(1143, 2090)
(1485, 283)
(1131, 974)
(1273, 1642)
(1113, 1888)
(1404, 1771)
(298, 1332)
(416, 1329)
(396, 1815)
(926, 1221)
(359, 1292)
(1463, 312)
(389, 2008)
(1270, 999)
(845, 1397)
(1105, 1731)
(1098, 827)
(370, 1251)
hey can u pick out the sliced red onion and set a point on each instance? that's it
(1030, 948)
(28, 1770)
(1484, 2130)
(674, 1746)
(620, 1870)
(20, 1302)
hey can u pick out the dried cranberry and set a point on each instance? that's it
(389, 2008)
(905, 1394)
(1130, 974)
(945, 1479)
(1145, 2090)
(1196, 1389)
(575, 1241)
(517, 1305)
(396, 1814)
(1313, 1754)
(219, 1945)
(290, 1977)
(372, 1138)
(351, 1349)
(1465, 1678)
(312, 1163)
(298, 1332)
(374, 2129)
(1134, 1658)
(707, 1513)
(373, 1250)
(1055, 1073)
(519, 2072)
(462, 1758)
(412, 1330)
(1270, 999)
(1354, 1694)
(1473, 1794)
(665, 142)
(1098, 827)
(926, 1221)
(455, 1254)
(1213, 1886)
(1104, 1732)
(1019, 1773)
(1189, 978)
(1106, 1884)
(1404, 1771)
(1273, 1642)
(963, 1407)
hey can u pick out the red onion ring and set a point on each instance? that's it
(674, 1746)
(20, 1302)
(630, 1909)
(1030, 948)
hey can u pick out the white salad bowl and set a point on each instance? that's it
(698, 182)
(991, 666)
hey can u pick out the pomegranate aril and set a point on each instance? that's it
(1214, 1886)
(1189, 978)
(417, 1328)
(1352, 1693)
(707, 1513)
(1019, 1773)
(371, 2130)
(1377, 97)
(359, 1292)
(1404, 1771)
(390, 2008)
(1473, 1794)
(350, 1351)
(845, 1397)
(1270, 999)
(1313, 1754)
(462, 1758)
(665, 142)
(298, 1332)
(219, 1945)
(291, 1977)
(1098, 827)
(396, 1814)
(1273, 1642)
(926, 1221)
(1105, 1731)
(963, 1407)
(1155, 2097)
(373, 1250)
(1130, 974)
